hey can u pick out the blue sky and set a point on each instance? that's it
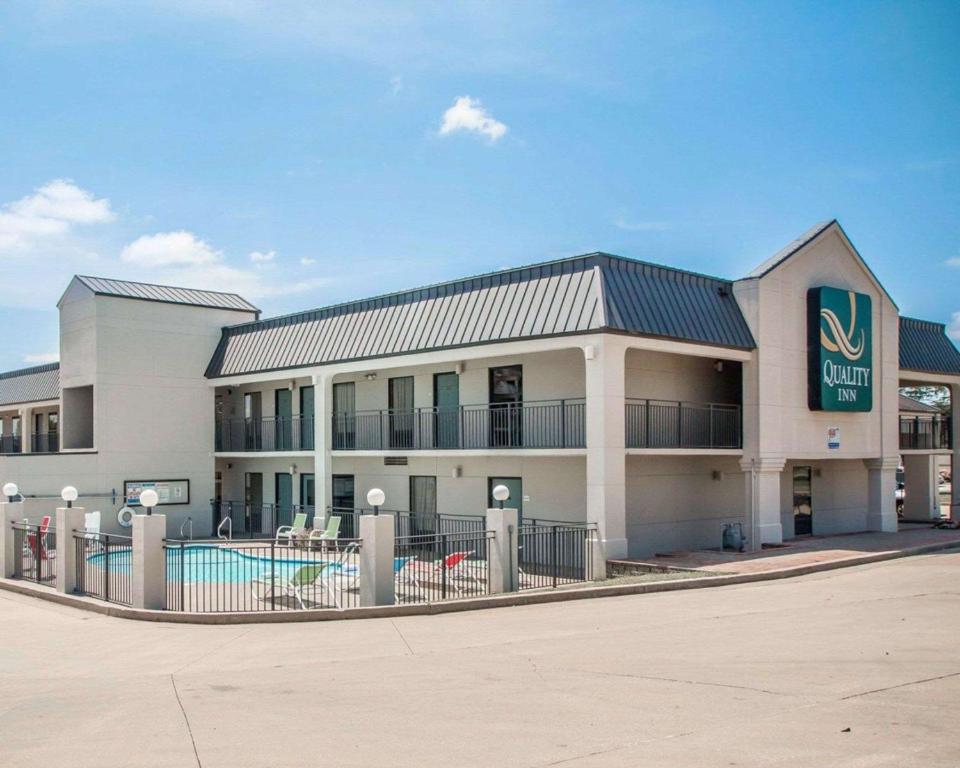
(304, 153)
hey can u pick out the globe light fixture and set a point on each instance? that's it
(10, 490)
(375, 498)
(149, 499)
(69, 494)
(501, 493)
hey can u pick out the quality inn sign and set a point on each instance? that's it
(839, 350)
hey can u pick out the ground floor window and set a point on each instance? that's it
(802, 501)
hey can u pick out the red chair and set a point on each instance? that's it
(38, 544)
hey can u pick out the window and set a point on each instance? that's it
(344, 416)
(401, 412)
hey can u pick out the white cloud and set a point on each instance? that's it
(259, 257)
(246, 282)
(953, 330)
(42, 357)
(467, 114)
(954, 262)
(305, 261)
(51, 211)
(168, 249)
(641, 226)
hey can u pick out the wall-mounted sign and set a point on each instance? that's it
(168, 491)
(833, 438)
(839, 350)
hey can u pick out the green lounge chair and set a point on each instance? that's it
(290, 532)
(302, 580)
(330, 533)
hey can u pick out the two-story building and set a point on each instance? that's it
(658, 403)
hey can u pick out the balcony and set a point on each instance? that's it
(45, 442)
(11, 444)
(278, 433)
(672, 424)
(925, 433)
(489, 426)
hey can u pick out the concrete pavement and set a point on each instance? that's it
(767, 674)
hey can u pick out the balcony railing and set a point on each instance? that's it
(11, 444)
(277, 433)
(542, 424)
(45, 442)
(925, 433)
(672, 424)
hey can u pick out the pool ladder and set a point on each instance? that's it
(228, 522)
(188, 523)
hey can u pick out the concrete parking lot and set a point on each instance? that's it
(856, 667)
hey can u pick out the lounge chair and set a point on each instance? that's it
(451, 566)
(38, 548)
(305, 577)
(290, 532)
(330, 533)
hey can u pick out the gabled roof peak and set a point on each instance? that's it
(166, 294)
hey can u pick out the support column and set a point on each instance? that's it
(882, 494)
(377, 576)
(322, 443)
(69, 519)
(10, 513)
(503, 574)
(149, 562)
(955, 453)
(606, 442)
(26, 430)
(762, 485)
(920, 499)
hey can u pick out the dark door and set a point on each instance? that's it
(423, 504)
(16, 438)
(506, 406)
(53, 431)
(283, 423)
(252, 425)
(400, 403)
(345, 420)
(308, 499)
(515, 484)
(283, 488)
(344, 504)
(446, 401)
(253, 502)
(802, 501)
(306, 419)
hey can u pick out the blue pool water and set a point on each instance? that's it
(204, 563)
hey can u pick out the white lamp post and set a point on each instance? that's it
(501, 493)
(149, 499)
(10, 490)
(375, 498)
(69, 494)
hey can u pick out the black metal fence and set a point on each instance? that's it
(930, 433)
(104, 566)
(277, 433)
(410, 523)
(671, 424)
(35, 553)
(542, 424)
(45, 442)
(11, 444)
(442, 566)
(256, 521)
(252, 576)
(552, 554)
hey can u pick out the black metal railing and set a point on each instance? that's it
(928, 432)
(673, 424)
(441, 566)
(252, 576)
(257, 521)
(104, 566)
(407, 524)
(11, 444)
(543, 424)
(277, 433)
(553, 554)
(35, 553)
(45, 442)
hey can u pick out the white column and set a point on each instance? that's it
(68, 520)
(377, 577)
(503, 563)
(149, 562)
(606, 442)
(323, 440)
(762, 486)
(920, 501)
(26, 430)
(955, 453)
(882, 494)
(10, 512)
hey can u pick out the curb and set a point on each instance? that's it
(456, 606)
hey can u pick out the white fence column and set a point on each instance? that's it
(503, 573)
(10, 513)
(377, 577)
(68, 520)
(595, 557)
(149, 562)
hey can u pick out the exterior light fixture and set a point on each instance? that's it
(10, 490)
(375, 498)
(293, 469)
(149, 499)
(718, 366)
(370, 376)
(69, 494)
(501, 493)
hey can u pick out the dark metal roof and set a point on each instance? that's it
(912, 405)
(165, 293)
(582, 294)
(30, 385)
(924, 347)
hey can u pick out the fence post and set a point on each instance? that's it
(149, 562)
(68, 520)
(376, 560)
(10, 513)
(502, 558)
(596, 560)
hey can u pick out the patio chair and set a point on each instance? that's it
(453, 567)
(38, 548)
(405, 574)
(290, 532)
(330, 533)
(294, 586)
